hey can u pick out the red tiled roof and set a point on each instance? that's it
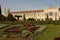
(28, 11)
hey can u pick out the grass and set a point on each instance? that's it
(50, 33)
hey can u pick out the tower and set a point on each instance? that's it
(5, 11)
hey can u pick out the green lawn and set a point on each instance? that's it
(50, 33)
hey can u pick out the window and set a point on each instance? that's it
(50, 13)
(59, 9)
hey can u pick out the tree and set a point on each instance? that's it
(10, 17)
(2, 18)
(24, 18)
(47, 19)
(42, 21)
(17, 16)
(0, 10)
(50, 19)
(31, 20)
(38, 21)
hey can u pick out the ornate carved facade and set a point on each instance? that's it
(53, 13)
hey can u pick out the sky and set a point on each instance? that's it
(21, 5)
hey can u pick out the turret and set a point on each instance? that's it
(5, 11)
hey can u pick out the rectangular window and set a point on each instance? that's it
(50, 13)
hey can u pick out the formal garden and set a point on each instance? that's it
(15, 29)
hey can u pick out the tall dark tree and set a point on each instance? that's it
(0, 10)
(2, 17)
(31, 20)
(24, 18)
(38, 21)
(47, 18)
(10, 17)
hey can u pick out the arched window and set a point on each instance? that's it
(50, 13)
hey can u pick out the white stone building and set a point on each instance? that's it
(53, 12)
(36, 14)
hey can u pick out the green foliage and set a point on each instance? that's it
(42, 21)
(2, 18)
(50, 33)
(18, 17)
(10, 18)
(40, 30)
(24, 19)
(50, 19)
(31, 20)
(47, 17)
(38, 21)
